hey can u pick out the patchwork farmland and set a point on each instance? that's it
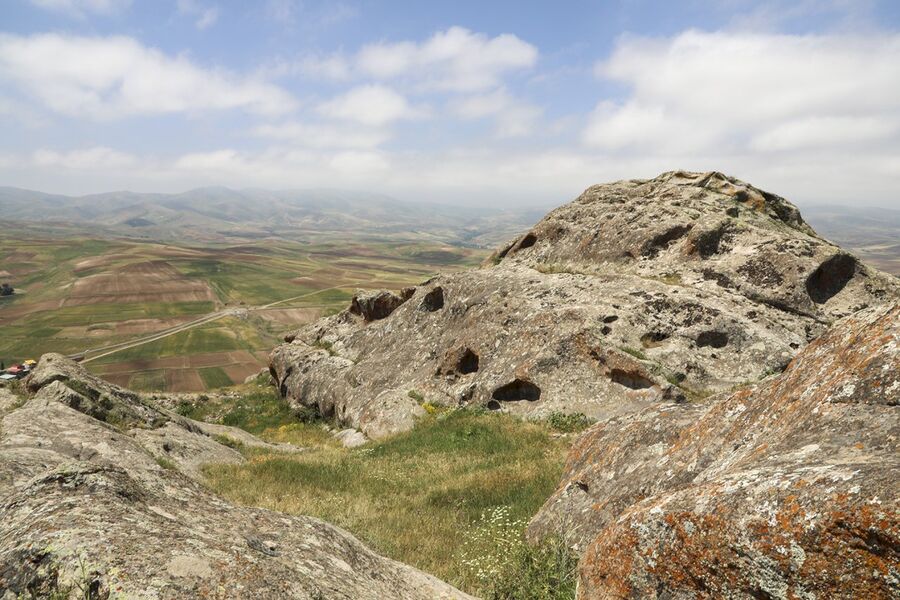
(164, 317)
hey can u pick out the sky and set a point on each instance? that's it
(475, 103)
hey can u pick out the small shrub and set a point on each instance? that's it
(229, 442)
(166, 464)
(568, 422)
(326, 346)
(675, 379)
(307, 414)
(185, 409)
(416, 396)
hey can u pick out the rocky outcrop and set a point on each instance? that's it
(97, 496)
(785, 490)
(636, 292)
(378, 305)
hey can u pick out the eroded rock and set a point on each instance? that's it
(110, 505)
(785, 490)
(679, 286)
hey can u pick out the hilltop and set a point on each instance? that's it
(638, 291)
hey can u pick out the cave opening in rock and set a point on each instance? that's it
(630, 379)
(528, 241)
(433, 300)
(467, 363)
(517, 389)
(830, 278)
(713, 339)
(662, 241)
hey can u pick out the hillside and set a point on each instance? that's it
(677, 287)
(222, 215)
(737, 376)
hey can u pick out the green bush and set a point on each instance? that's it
(568, 422)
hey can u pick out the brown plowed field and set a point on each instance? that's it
(181, 371)
(152, 281)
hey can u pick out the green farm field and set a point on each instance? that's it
(168, 317)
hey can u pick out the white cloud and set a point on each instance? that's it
(97, 158)
(513, 118)
(371, 105)
(317, 135)
(109, 77)
(206, 16)
(456, 60)
(82, 8)
(334, 67)
(742, 93)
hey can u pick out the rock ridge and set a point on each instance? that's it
(639, 291)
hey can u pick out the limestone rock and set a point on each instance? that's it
(109, 504)
(351, 438)
(377, 305)
(636, 292)
(785, 490)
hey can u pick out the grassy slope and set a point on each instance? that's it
(451, 496)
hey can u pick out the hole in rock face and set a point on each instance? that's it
(433, 300)
(630, 379)
(611, 319)
(467, 363)
(830, 278)
(653, 338)
(714, 339)
(708, 243)
(493, 405)
(517, 389)
(528, 241)
(502, 254)
(661, 241)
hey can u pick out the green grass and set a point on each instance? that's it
(224, 335)
(46, 263)
(148, 381)
(635, 353)
(166, 463)
(215, 377)
(568, 422)
(416, 497)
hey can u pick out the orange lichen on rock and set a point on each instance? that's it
(785, 490)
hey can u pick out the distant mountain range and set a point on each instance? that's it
(223, 214)
(218, 214)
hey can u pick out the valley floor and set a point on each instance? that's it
(167, 317)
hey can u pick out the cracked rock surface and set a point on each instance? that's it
(788, 489)
(98, 488)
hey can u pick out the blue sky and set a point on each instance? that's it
(467, 102)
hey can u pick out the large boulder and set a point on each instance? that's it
(785, 490)
(636, 292)
(109, 507)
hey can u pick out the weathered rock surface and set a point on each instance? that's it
(786, 490)
(636, 292)
(95, 491)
